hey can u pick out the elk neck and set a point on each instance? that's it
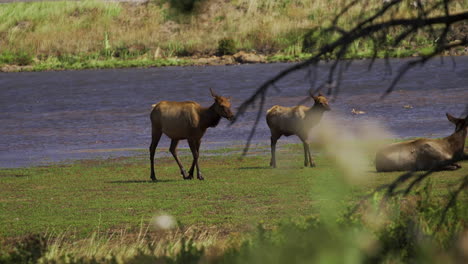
(315, 113)
(457, 141)
(209, 117)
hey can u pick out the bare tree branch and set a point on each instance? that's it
(453, 200)
(358, 32)
(368, 28)
(376, 26)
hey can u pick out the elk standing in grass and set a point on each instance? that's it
(425, 154)
(186, 120)
(296, 120)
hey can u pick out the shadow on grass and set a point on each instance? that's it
(14, 175)
(142, 181)
(255, 168)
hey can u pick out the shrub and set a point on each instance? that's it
(28, 250)
(185, 6)
(226, 46)
(20, 58)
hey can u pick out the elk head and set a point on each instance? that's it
(460, 123)
(320, 101)
(222, 105)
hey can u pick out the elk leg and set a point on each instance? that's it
(155, 137)
(307, 156)
(194, 146)
(274, 139)
(192, 168)
(311, 161)
(173, 150)
(199, 174)
(450, 167)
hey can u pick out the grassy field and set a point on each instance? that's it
(95, 34)
(109, 204)
(118, 193)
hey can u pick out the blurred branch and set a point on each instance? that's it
(344, 41)
(375, 27)
(453, 200)
(372, 27)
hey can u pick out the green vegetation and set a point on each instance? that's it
(102, 211)
(98, 34)
(226, 46)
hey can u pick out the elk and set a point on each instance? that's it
(186, 120)
(297, 120)
(424, 153)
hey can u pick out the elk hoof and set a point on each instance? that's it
(457, 165)
(200, 177)
(185, 176)
(452, 167)
(153, 176)
(312, 165)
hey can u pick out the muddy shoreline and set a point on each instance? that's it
(239, 58)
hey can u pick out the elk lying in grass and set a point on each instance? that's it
(425, 154)
(185, 120)
(296, 120)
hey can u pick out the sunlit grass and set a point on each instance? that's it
(44, 15)
(104, 209)
(99, 30)
(117, 193)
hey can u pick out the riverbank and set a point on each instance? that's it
(94, 34)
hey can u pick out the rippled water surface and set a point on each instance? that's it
(67, 115)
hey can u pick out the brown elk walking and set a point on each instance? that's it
(297, 120)
(186, 120)
(425, 154)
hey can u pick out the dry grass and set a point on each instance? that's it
(124, 243)
(89, 27)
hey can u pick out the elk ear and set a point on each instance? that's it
(451, 118)
(213, 94)
(311, 94)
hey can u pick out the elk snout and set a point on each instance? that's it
(229, 116)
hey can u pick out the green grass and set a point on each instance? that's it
(37, 12)
(101, 211)
(116, 194)
(56, 64)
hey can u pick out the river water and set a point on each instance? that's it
(67, 115)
